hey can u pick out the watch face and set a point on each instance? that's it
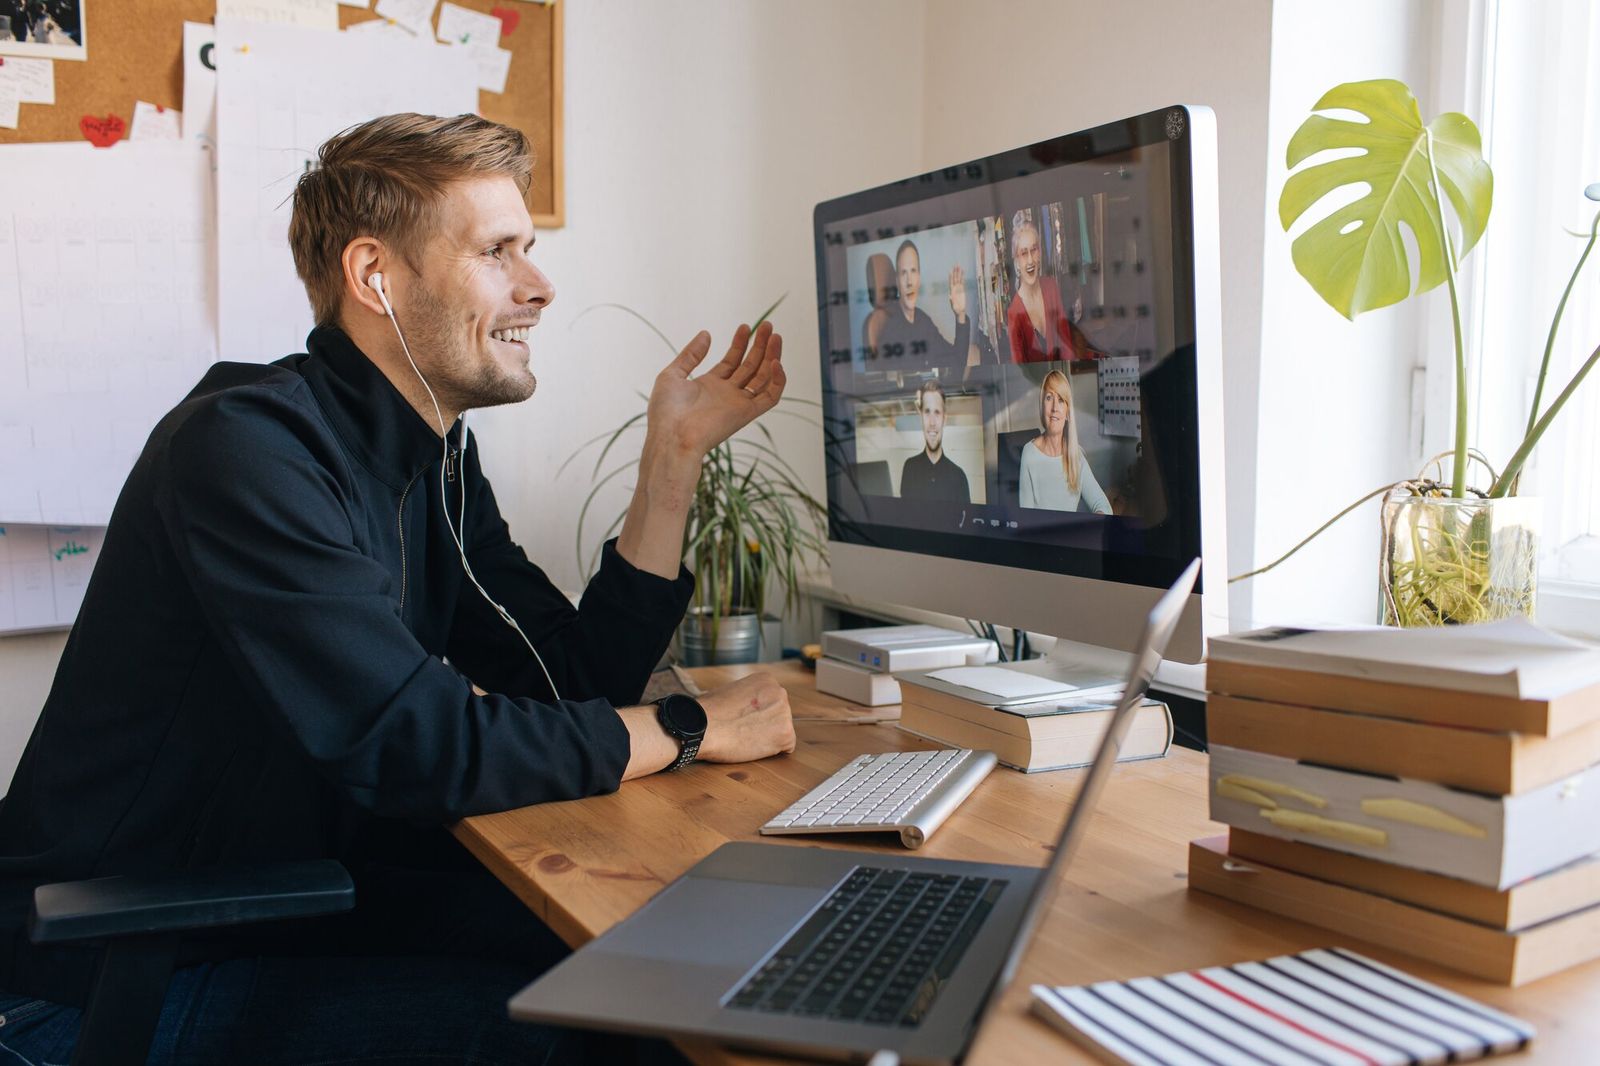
(683, 716)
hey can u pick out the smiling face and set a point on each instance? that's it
(470, 309)
(933, 421)
(1053, 406)
(1025, 252)
(908, 271)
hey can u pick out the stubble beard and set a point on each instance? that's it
(454, 374)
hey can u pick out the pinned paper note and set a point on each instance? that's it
(494, 64)
(414, 15)
(33, 79)
(200, 82)
(380, 25)
(102, 131)
(458, 25)
(152, 122)
(310, 14)
(8, 107)
(44, 572)
(479, 34)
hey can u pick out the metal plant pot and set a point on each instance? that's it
(736, 639)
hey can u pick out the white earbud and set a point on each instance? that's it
(376, 281)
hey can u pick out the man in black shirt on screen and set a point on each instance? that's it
(930, 474)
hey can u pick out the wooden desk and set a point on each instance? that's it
(1123, 912)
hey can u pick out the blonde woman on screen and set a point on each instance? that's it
(1055, 476)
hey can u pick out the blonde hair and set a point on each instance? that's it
(386, 178)
(1071, 454)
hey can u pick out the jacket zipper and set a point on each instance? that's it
(400, 522)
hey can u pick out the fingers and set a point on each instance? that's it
(759, 346)
(730, 362)
(770, 370)
(692, 355)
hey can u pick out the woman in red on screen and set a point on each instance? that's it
(1055, 476)
(1036, 321)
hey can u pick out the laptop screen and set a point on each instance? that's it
(1158, 627)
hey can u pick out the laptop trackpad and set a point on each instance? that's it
(712, 921)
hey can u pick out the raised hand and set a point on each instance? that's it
(958, 293)
(695, 414)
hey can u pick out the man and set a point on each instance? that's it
(909, 339)
(929, 475)
(284, 652)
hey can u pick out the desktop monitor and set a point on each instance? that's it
(1021, 384)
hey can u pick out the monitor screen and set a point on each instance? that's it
(1009, 358)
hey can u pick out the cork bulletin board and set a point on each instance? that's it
(136, 53)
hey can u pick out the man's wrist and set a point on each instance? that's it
(668, 472)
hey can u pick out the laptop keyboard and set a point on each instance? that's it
(877, 951)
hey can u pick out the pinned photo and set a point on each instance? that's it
(43, 29)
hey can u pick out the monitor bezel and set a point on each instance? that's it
(880, 561)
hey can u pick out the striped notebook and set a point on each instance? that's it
(1319, 1008)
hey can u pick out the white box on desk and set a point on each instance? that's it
(889, 649)
(855, 683)
(1489, 840)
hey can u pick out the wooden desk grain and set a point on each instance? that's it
(1123, 911)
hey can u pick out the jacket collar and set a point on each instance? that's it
(378, 426)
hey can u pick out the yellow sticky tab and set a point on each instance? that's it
(1228, 789)
(1316, 824)
(1414, 813)
(1275, 788)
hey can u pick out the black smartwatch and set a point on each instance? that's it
(685, 721)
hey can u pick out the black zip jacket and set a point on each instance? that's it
(259, 668)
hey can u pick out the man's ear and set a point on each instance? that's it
(362, 258)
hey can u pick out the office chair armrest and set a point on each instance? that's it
(108, 907)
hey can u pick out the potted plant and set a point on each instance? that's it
(1452, 552)
(751, 526)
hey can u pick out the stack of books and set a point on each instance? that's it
(1435, 791)
(859, 664)
(1054, 733)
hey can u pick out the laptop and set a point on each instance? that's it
(826, 953)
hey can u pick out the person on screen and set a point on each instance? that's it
(1055, 476)
(930, 474)
(911, 335)
(880, 291)
(1036, 321)
(283, 653)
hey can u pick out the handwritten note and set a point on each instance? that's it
(459, 25)
(34, 79)
(44, 572)
(479, 34)
(9, 108)
(154, 123)
(414, 15)
(310, 14)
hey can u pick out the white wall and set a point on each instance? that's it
(699, 138)
(1003, 75)
(1334, 399)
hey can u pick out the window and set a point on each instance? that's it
(1540, 116)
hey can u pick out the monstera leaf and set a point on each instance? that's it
(1354, 257)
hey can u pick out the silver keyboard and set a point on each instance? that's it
(909, 792)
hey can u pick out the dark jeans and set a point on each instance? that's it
(419, 973)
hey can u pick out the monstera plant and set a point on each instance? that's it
(1448, 556)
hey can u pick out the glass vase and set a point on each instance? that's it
(1449, 561)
